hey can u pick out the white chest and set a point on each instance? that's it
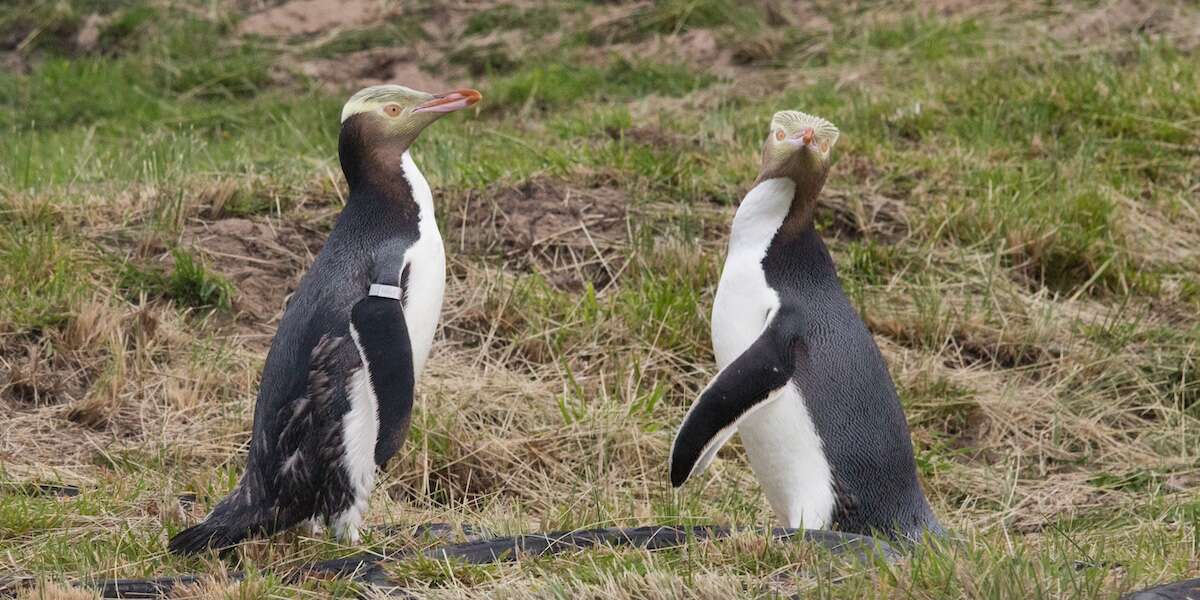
(780, 438)
(743, 296)
(426, 264)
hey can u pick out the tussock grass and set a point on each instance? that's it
(1013, 210)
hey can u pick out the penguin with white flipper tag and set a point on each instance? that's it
(337, 389)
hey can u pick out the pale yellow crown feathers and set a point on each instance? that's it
(370, 98)
(825, 134)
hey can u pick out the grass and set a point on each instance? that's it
(190, 283)
(1013, 210)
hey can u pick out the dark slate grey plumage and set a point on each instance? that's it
(831, 444)
(849, 394)
(301, 463)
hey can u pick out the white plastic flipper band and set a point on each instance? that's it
(384, 291)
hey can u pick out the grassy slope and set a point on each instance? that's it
(1014, 209)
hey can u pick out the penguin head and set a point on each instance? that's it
(395, 111)
(380, 122)
(798, 146)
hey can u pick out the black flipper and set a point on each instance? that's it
(745, 384)
(381, 333)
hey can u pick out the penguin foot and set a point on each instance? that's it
(347, 524)
(315, 527)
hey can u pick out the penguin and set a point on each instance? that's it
(800, 377)
(337, 388)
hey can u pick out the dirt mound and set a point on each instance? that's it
(355, 71)
(307, 17)
(567, 233)
(263, 258)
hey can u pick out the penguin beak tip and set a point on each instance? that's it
(450, 101)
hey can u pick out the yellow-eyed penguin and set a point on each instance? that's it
(800, 376)
(337, 388)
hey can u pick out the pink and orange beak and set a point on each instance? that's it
(450, 101)
(802, 138)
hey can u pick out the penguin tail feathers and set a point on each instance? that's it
(229, 523)
(205, 536)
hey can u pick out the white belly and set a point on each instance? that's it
(741, 306)
(785, 453)
(780, 438)
(425, 288)
(426, 260)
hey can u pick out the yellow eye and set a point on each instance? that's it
(779, 135)
(392, 110)
(824, 147)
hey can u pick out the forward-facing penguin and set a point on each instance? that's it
(800, 376)
(337, 389)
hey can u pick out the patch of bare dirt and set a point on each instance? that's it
(307, 17)
(89, 32)
(569, 234)
(652, 136)
(355, 71)
(1129, 17)
(697, 48)
(263, 258)
(13, 62)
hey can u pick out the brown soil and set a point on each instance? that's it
(89, 33)
(355, 71)
(307, 17)
(14, 63)
(1125, 17)
(567, 233)
(651, 135)
(263, 258)
(698, 48)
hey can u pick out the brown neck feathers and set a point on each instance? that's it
(808, 174)
(370, 158)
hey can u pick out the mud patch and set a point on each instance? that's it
(307, 17)
(263, 258)
(357, 70)
(569, 234)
